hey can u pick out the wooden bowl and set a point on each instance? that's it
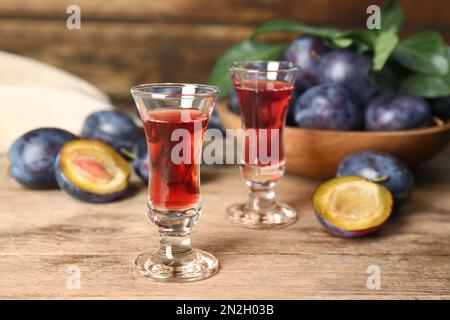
(317, 153)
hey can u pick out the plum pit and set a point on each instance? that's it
(92, 169)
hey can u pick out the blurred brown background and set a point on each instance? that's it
(122, 43)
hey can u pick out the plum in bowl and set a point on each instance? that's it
(317, 153)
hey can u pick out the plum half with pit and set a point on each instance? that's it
(92, 171)
(352, 206)
(399, 112)
(351, 70)
(383, 168)
(307, 54)
(112, 127)
(32, 156)
(328, 107)
(140, 161)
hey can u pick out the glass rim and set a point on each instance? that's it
(141, 89)
(239, 66)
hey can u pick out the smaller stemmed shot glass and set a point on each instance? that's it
(264, 89)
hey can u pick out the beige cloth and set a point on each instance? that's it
(34, 94)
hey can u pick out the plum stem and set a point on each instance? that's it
(128, 153)
(380, 179)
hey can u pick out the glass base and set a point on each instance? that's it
(279, 216)
(193, 266)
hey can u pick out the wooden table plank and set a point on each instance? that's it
(42, 233)
(114, 56)
(432, 13)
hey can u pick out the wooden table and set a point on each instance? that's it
(45, 233)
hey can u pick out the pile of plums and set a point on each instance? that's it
(93, 167)
(333, 93)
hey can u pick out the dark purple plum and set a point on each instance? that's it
(92, 171)
(398, 112)
(140, 162)
(328, 107)
(349, 69)
(234, 101)
(307, 53)
(291, 107)
(32, 156)
(440, 107)
(214, 122)
(382, 168)
(112, 127)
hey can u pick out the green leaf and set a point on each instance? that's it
(388, 79)
(365, 36)
(384, 46)
(339, 42)
(246, 50)
(294, 26)
(427, 86)
(392, 16)
(384, 81)
(363, 39)
(425, 53)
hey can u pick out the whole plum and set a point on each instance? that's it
(349, 69)
(32, 156)
(383, 168)
(234, 102)
(140, 162)
(291, 107)
(112, 127)
(441, 107)
(329, 107)
(398, 112)
(214, 122)
(307, 53)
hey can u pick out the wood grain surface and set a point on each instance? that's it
(342, 12)
(115, 57)
(43, 233)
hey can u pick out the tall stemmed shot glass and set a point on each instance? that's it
(175, 117)
(264, 89)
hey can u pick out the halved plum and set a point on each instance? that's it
(352, 206)
(92, 171)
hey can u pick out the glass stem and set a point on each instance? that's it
(174, 230)
(174, 245)
(262, 196)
